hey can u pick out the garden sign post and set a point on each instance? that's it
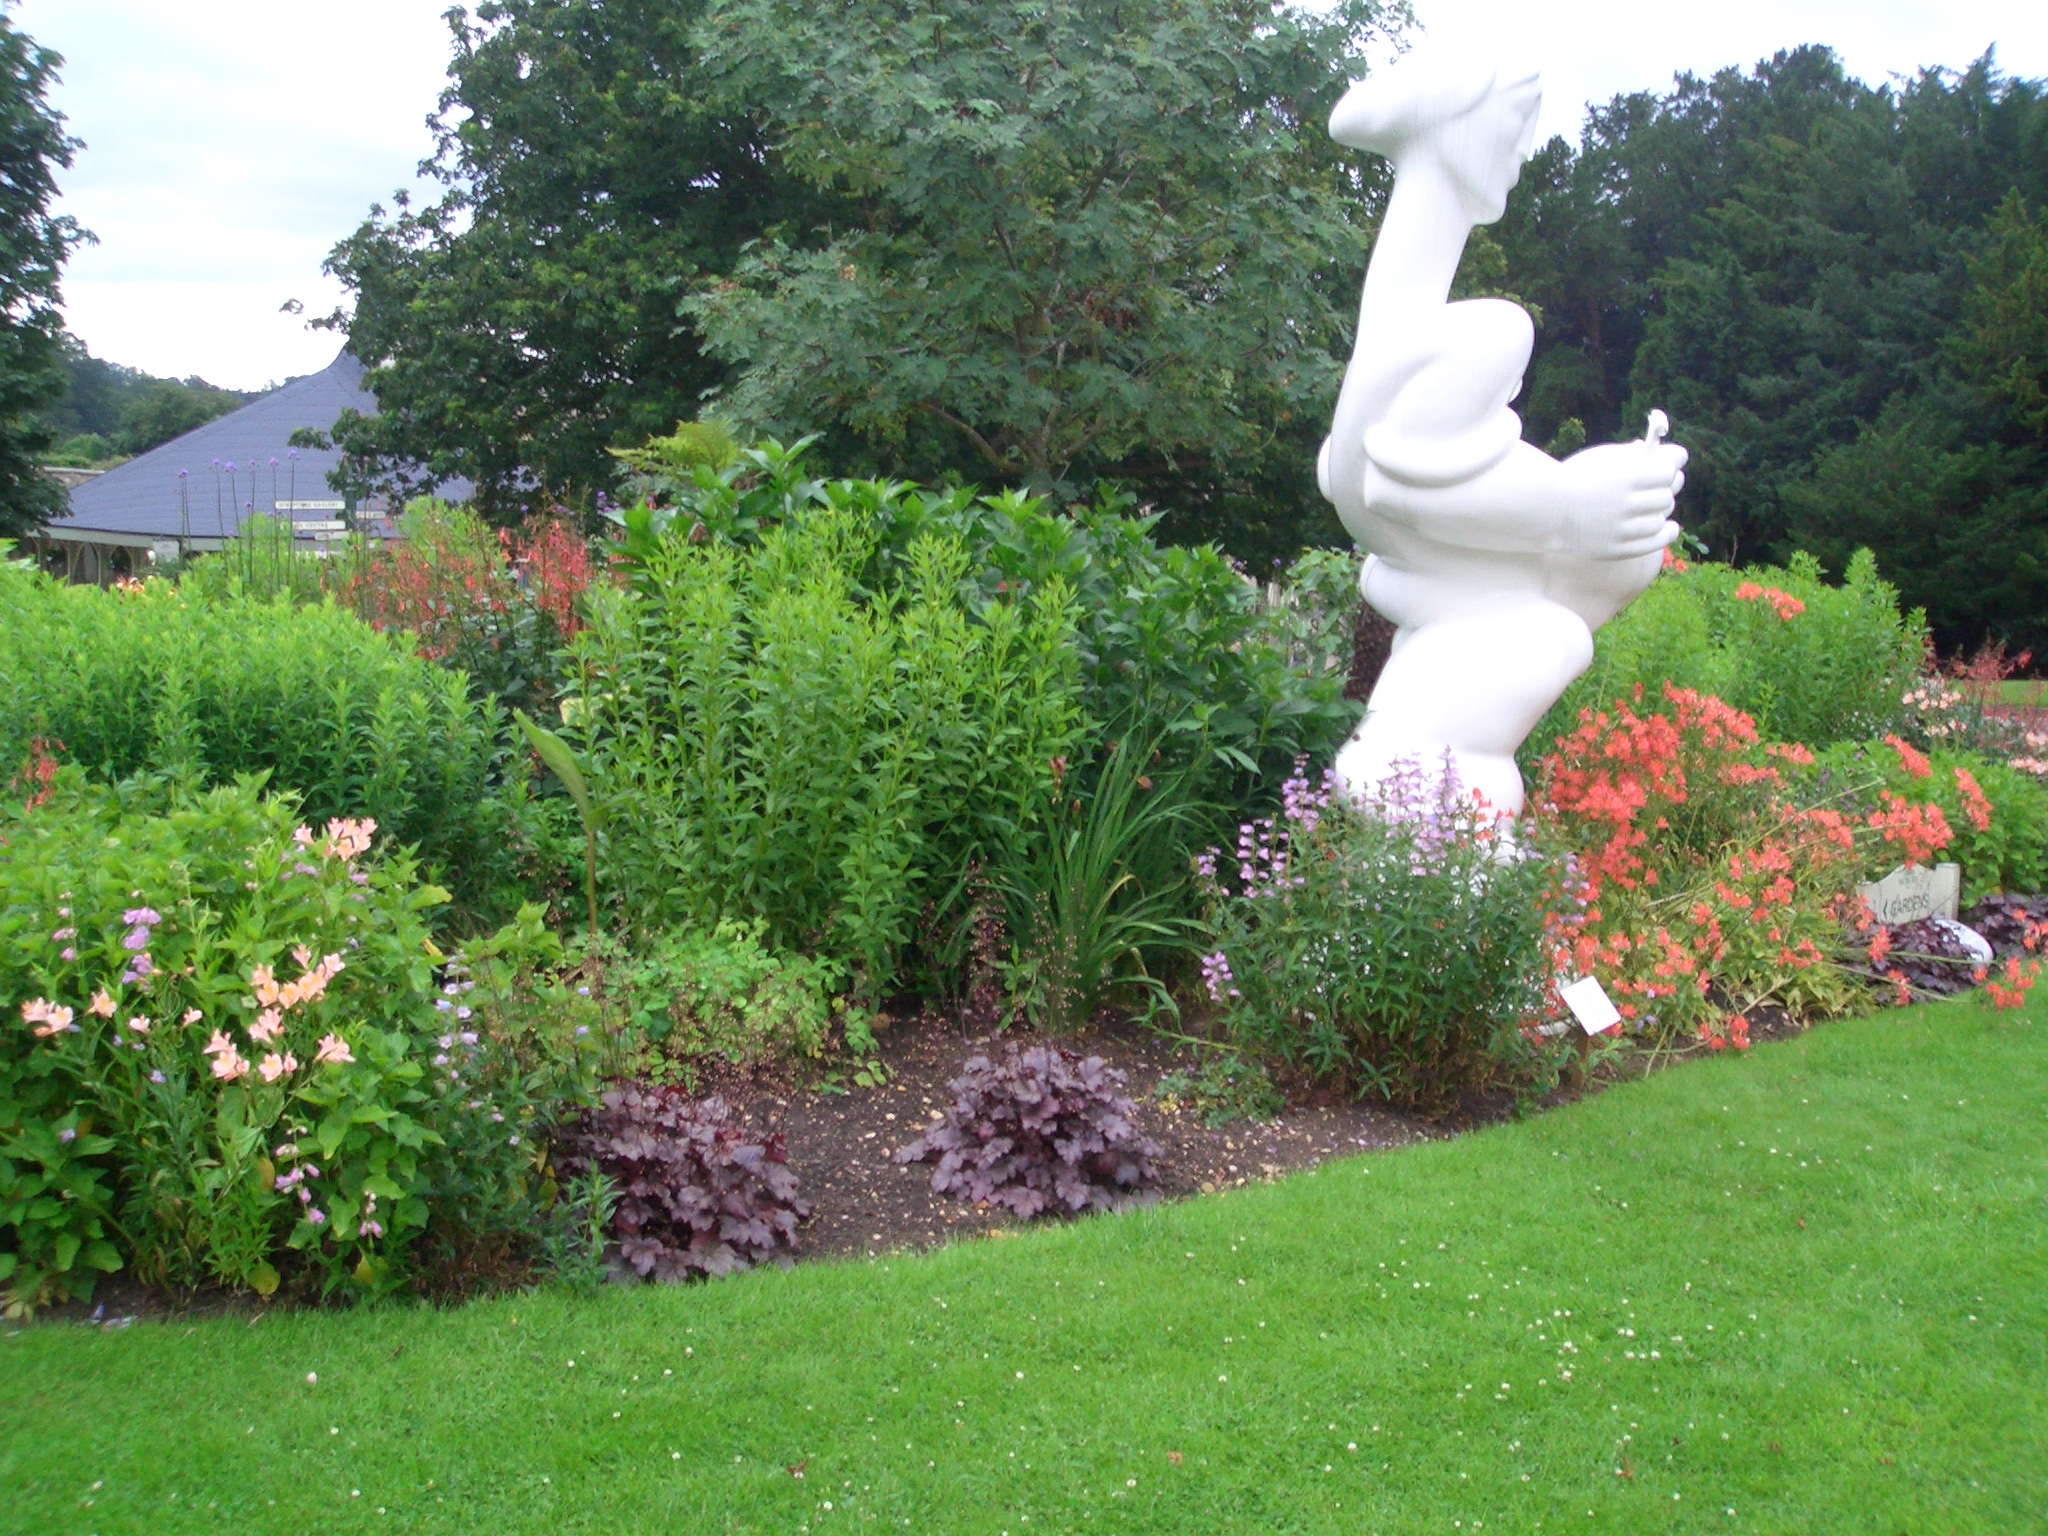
(1494, 561)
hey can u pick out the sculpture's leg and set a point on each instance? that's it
(1474, 683)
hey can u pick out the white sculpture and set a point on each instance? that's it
(1495, 561)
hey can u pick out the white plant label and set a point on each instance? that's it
(1590, 1005)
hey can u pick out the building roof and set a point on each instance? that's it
(182, 490)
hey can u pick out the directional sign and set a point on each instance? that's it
(311, 506)
(327, 525)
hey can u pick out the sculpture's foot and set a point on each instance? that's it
(1471, 685)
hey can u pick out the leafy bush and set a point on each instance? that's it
(1389, 945)
(229, 1045)
(1173, 642)
(1997, 816)
(152, 680)
(1042, 1129)
(695, 1194)
(1806, 662)
(726, 994)
(762, 739)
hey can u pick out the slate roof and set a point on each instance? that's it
(144, 498)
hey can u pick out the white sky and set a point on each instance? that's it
(230, 143)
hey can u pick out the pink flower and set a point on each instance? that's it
(303, 955)
(139, 1025)
(192, 1016)
(333, 1051)
(101, 1005)
(229, 1067)
(48, 1017)
(276, 1066)
(219, 1045)
(268, 1026)
(303, 836)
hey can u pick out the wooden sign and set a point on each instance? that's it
(1912, 892)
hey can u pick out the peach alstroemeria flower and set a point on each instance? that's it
(230, 1066)
(101, 1005)
(333, 1051)
(138, 1025)
(48, 1017)
(276, 1066)
(268, 1026)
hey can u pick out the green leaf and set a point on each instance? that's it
(262, 1278)
(561, 762)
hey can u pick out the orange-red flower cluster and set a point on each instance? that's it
(1911, 758)
(1784, 604)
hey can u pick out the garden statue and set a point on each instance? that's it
(1495, 561)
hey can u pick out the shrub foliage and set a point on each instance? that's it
(696, 1194)
(1042, 1129)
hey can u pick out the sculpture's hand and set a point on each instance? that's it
(1618, 498)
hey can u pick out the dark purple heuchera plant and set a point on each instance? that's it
(697, 1195)
(1041, 1129)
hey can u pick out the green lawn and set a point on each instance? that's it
(1804, 1291)
(2023, 692)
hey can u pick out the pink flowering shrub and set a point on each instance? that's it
(226, 1054)
(1397, 947)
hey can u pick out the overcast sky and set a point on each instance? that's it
(230, 143)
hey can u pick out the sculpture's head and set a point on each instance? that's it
(1474, 119)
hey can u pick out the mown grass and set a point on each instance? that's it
(1797, 1292)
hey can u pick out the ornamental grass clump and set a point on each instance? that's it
(1397, 945)
(696, 1195)
(1042, 1129)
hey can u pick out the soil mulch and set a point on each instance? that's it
(841, 1145)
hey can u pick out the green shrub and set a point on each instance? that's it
(726, 994)
(1388, 946)
(1996, 815)
(764, 737)
(1174, 643)
(227, 1042)
(152, 679)
(1806, 661)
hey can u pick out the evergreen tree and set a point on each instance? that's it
(34, 243)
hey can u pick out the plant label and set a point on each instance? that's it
(1912, 892)
(1590, 1005)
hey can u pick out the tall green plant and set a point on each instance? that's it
(1101, 887)
(229, 683)
(765, 736)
